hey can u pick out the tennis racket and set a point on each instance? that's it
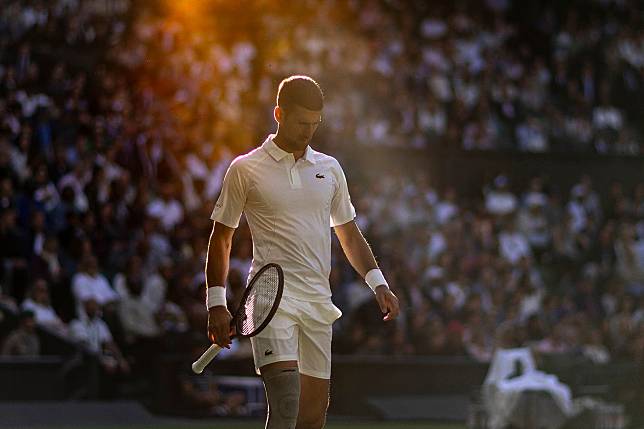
(256, 309)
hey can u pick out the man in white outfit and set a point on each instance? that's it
(291, 195)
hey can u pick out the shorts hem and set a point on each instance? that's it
(273, 359)
(316, 374)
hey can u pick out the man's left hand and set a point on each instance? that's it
(388, 303)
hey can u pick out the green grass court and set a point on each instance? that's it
(258, 425)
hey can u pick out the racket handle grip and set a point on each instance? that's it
(207, 356)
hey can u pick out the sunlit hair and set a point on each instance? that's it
(300, 91)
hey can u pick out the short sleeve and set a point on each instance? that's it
(232, 199)
(342, 210)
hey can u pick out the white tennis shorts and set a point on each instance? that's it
(300, 331)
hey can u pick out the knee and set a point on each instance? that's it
(283, 392)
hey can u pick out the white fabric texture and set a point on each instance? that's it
(290, 206)
(300, 331)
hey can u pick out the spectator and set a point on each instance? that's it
(166, 208)
(533, 223)
(23, 341)
(513, 245)
(93, 334)
(137, 317)
(90, 283)
(39, 304)
(499, 201)
(202, 395)
(594, 349)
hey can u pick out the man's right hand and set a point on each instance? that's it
(219, 329)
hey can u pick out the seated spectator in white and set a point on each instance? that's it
(90, 283)
(137, 317)
(532, 136)
(513, 245)
(154, 284)
(446, 209)
(606, 116)
(92, 333)
(76, 180)
(437, 244)
(38, 303)
(533, 222)
(23, 341)
(594, 348)
(166, 208)
(499, 201)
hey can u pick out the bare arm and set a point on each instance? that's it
(356, 248)
(217, 262)
(218, 256)
(361, 257)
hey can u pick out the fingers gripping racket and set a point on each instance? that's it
(256, 309)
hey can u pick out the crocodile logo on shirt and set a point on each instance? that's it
(268, 352)
(319, 176)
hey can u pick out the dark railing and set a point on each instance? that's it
(358, 380)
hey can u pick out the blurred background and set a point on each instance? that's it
(494, 152)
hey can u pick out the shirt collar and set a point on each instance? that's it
(309, 155)
(277, 153)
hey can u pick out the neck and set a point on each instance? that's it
(287, 146)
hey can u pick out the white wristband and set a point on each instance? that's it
(215, 295)
(374, 278)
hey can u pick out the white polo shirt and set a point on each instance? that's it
(290, 207)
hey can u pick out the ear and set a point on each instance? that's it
(277, 114)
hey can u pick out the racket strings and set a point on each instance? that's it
(260, 300)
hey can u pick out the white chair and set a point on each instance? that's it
(516, 393)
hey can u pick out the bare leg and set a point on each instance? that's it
(314, 401)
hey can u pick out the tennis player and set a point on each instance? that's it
(291, 195)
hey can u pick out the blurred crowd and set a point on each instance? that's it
(559, 270)
(117, 125)
(466, 75)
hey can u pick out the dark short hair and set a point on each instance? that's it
(300, 91)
